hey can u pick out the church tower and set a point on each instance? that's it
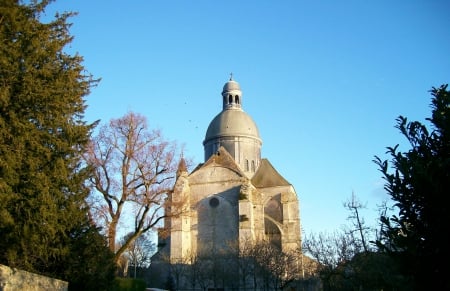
(235, 130)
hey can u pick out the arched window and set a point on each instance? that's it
(253, 166)
(274, 209)
(272, 233)
(230, 99)
(246, 165)
(273, 212)
(237, 99)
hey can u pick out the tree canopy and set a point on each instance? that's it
(134, 169)
(418, 182)
(43, 214)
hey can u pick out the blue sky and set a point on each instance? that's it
(323, 80)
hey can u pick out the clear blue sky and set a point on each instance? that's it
(323, 80)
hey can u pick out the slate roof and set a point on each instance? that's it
(267, 176)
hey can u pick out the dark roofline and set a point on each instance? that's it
(267, 176)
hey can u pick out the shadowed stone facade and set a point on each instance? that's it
(235, 196)
(224, 205)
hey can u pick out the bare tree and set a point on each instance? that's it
(332, 249)
(246, 262)
(178, 269)
(122, 266)
(354, 207)
(275, 268)
(139, 251)
(134, 169)
(329, 249)
(204, 268)
(194, 270)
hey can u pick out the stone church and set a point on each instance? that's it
(235, 197)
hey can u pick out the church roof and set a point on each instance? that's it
(267, 176)
(222, 158)
(231, 85)
(232, 122)
(181, 167)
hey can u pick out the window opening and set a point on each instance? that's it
(214, 202)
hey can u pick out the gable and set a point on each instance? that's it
(219, 167)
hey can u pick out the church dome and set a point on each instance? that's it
(231, 85)
(230, 123)
(234, 130)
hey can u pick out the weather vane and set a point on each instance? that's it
(231, 76)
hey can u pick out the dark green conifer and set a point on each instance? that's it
(42, 136)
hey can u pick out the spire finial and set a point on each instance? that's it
(231, 76)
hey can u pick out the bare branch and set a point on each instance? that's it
(133, 166)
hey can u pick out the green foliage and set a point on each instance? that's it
(419, 185)
(90, 265)
(128, 284)
(44, 225)
(365, 271)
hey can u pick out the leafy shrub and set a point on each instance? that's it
(129, 284)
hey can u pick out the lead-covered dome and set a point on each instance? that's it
(233, 122)
(231, 85)
(235, 130)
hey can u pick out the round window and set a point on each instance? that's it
(214, 202)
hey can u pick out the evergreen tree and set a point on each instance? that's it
(90, 263)
(417, 238)
(43, 214)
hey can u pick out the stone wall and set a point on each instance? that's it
(14, 280)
